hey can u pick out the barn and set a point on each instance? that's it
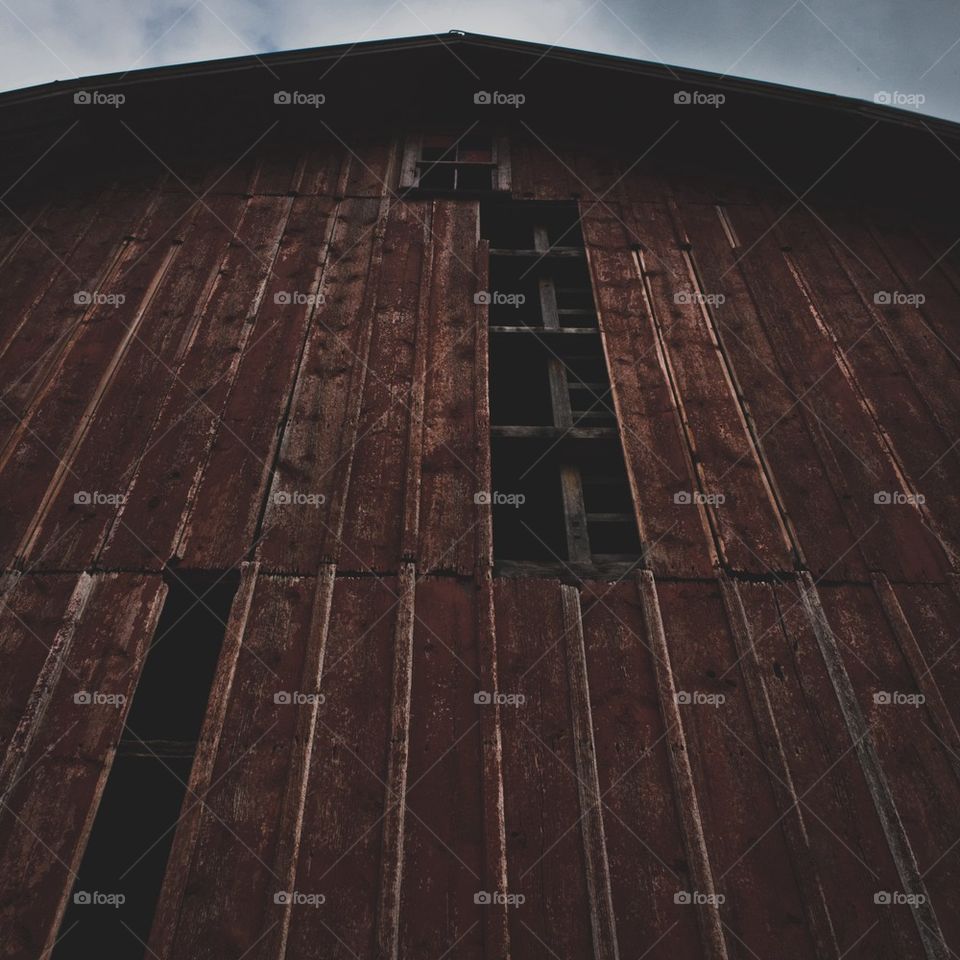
(471, 498)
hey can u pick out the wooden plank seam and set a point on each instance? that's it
(602, 920)
(43, 689)
(688, 808)
(295, 794)
(902, 853)
(781, 778)
(935, 705)
(391, 877)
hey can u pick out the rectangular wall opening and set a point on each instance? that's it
(449, 162)
(132, 834)
(561, 497)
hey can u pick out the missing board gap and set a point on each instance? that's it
(130, 841)
(561, 496)
(513, 225)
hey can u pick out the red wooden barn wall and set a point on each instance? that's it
(202, 397)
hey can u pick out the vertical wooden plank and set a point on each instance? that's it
(54, 322)
(444, 831)
(278, 168)
(497, 917)
(501, 153)
(72, 534)
(921, 452)
(888, 753)
(574, 515)
(317, 440)
(36, 696)
(699, 857)
(295, 800)
(892, 535)
(346, 793)
(545, 861)
(37, 460)
(595, 856)
(742, 824)
(942, 724)
(933, 615)
(30, 618)
(373, 166)
(449, 477)
(373, 518)
(846, 836)
(774, 757)
(321, 167)
(805, 479)
(244, 449)
(540, 172)
(930, 364)
(135, 288)
(409, 176)
(674, 530)
(728, 466)
(483, 509)
(614, 175)
(48, 814)
(914, 265)
(44, 249)
(410, 535)
(648, 860)
(349, 426)
(398, 763)
(233, 876)
(150, 521)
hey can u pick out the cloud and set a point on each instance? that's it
(840, 46)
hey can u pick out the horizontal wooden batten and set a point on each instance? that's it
(562, 253)
(554, 433)
(547, 332)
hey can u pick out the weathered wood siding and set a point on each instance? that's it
(287, 375)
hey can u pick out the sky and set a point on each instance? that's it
(908, 50)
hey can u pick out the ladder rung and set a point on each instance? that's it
(548, 331)
(531, 253)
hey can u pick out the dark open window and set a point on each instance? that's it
(561, 495)
(456, 162)
(133, 831)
